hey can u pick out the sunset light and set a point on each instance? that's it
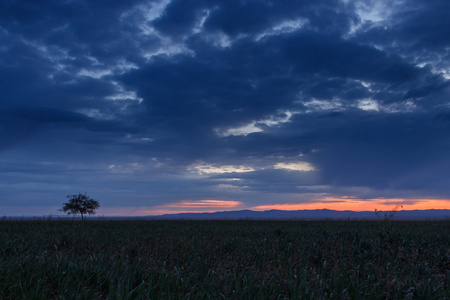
(361, 204)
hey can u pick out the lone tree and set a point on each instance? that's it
(80, 204)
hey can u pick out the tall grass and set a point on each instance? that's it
(224, 260)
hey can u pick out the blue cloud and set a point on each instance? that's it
(129, 98)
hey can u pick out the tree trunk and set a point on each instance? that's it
(81, 217)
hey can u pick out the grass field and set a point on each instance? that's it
(224, 260)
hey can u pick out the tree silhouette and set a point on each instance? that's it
(80, 204)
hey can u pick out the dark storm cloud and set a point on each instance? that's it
(232, 87)
(148, 98)
(231, 84)
(381, 148)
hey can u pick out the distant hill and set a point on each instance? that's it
(318, 214)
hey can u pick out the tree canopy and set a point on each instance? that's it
(80, 204)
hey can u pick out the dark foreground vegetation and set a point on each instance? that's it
(224, 260)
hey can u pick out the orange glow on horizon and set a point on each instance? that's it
(348, 203)
(196, 207)
(204, 204)
(343, 203)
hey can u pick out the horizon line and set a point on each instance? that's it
(218, 211)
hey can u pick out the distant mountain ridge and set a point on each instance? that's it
(318, 214)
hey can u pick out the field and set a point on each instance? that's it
(224, 259)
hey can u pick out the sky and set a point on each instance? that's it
(166, 106)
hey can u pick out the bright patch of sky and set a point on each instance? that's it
(368, 104)
(243, 130)
(374, 105)
(441, 68)
(295, 166)
(253, 127)
(215, 169)
(274, 121)
(323, 105)
(446, 74)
